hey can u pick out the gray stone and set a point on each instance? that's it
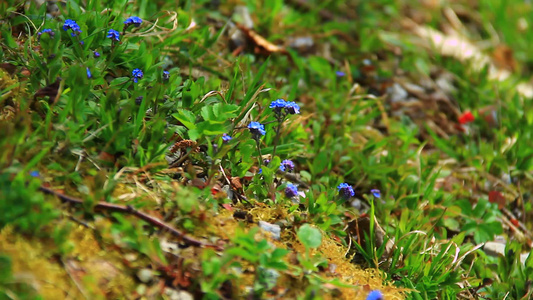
(145, 275)
(494, 248)
(274, 229)
(178, 295)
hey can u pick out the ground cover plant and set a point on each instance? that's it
(266, 150)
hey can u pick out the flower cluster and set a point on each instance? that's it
(292, 108)
(375, 295)
(134, 20)
(291, 190)
(50, 32)
(345, 191)
(279, 105)
(113, 35)
(72, 25)
(226, 137)
(286, 166)
(376, 193)
(137, 74)
(257, 129)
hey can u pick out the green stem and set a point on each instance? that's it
(276, 138)
(260, 158)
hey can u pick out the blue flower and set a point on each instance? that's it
(96, 54)
(340, 74)
(286, 166)
(113, 35)
(49, 31)
(166, 75)
(35, 174)
(72, 25)
(292, 108)
(257, 129)
(137, 74)
(133, 20)
(375, 295)
(291, 190)
(89, 75)
(376, 193)
(226, 137)
(278, 105)
(345, 190)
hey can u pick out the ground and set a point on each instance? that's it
(266, 150)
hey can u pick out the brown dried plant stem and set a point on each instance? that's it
(104, 206)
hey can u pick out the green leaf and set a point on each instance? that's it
(209, 128)
(186, 117)
(8, 39)
(442, 144)
(320, 163)
(309, 236)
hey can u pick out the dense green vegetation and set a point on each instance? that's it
(146, 151)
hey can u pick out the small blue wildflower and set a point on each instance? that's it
(376, 193)
(50, 32)
(35, 174)
(286, 166)
(113, 35)
(278, 105)
(137, 74)
(260, 171)
(96, 54)
(340, 74)
(257, 129)
(89, 75)
(133, 20)
(345, 190)
(291, 190)
(292, 108)
(226, 137)
(166, 75)
(375, 295)
(72, 25)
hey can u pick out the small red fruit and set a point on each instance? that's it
(466, 117)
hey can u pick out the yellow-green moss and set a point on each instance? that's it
(99, 273)
(34, 264)
(224, 225)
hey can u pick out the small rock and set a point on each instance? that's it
(523, 257)
(145, 275)
(494, 248)
(413, 88)
(178, 295)
(275, 230)
(302, 44)
(397, 93)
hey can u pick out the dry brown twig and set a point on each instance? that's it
(104, 206)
